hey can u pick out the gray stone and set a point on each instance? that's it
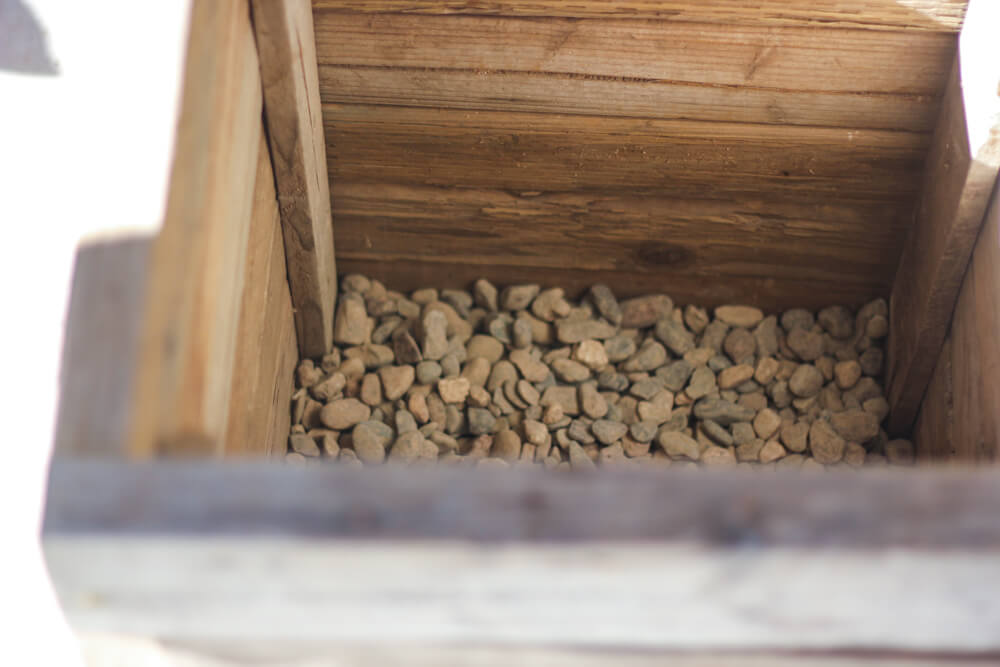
(518, 297)
(428, 372)
(612, 381)
(722, 411)
(701, 384)
(740, 346)
(574, 331)
(606, 303)
(673, 334)
(650, 356)
(480, 420)
(485, 295)
(806, 381)
(675, 374)
(643, 431)
(675, 444)
(837, 321)
(717, 433)
(619, 348)
(607, 431)
(645, 311)
(797, 318)
(806, 343)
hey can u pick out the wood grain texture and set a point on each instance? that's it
(285, 40)
(636, 68)
(777, 255)
(671, 560)
(193, 297)
(532, 152)
(961, 172)
(933, 432)
(266, 351)
(937, 15)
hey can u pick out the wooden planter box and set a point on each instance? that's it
(780, 153)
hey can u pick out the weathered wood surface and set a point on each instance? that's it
(652, 69)
(266, 350)
(937, 15)
(649, 560)
(960, 414)
(192, 302)
(960, 175)
(701, 250)
(284, 31)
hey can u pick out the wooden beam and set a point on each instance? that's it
(958, 179)
(938, 15)
(295, 130)
(192, 301)
(667, 560)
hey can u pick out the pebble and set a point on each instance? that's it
(645, 311)
(453, 390)
(734, 376)
(657, 409)
(740, 346)
(837, 321)
(825, 444)
(571, 371)
(405, 347)
(619, 348)
(487, 347)
(855, 425)
(351, 323)
(396, 380)
(344, 413)
(608, 432)
(739, 316)
(578, 458)
(673, 334)
(481, 421)
(677, 444)
(766, 423)
(371, 390)
(702, 383)
(408, 447)
(806, 343)
(717, 433)
(771, 452)
(592, 354)
(722, 411)
(369, 444)
(485, 295)
(591, 402)
(847, 373)
(575, 331)
(520, 334)
(793, 435)
(650, 356)
(806, 381)
(506, 445)
(303, 444)
(766, 336)
(871, 361)
(643, 431)
(518, 297)
(606, 303)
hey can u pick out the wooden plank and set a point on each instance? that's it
(938, 15)
(933, 431)
(538, 92)
(101, 341)
(547, 152)
(605, 560)
(193, 298)
(961, 171)
(777, 255)
(262, 381)
(295, 130)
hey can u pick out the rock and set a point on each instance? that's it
(695, 318)
(651, 355)
(396, 380)
(878, 327)
(766, 337)
(794, 434)
(797, 318)
(806, 381)
(532, 369)
(619, 348)
(487, 347)
(742, 432)
(673, 334)
(900, 452)
(878, 406)
(306, 374)
(371, 390)
(645, 311)
(837, 321)
(453, 390)
(328, 388)
(749, 450)
(675, 374)
(578, 458)
(506, 445)
(606, 303)
(550, 304)
(847, 374)
(827, 447)
(476, 371)
(369, 444)
(608, 432)
(428, 372)
(518, 297)
(643, 431)
(481, 421)
(562, 396)
(535, 432)
(408, 447)
(855, 425)
(613, 455)
(344, 413)
(478, 397)
(303, 444)
(574, 331)
(735, 376)
(871, 361)
(356, 283)
(405, 347)
(417, 405)
(739, 316)
(766, 423)
(767, 369)
(405, 421)
(722, 411)
(383, 332)
(718, 457)
(485, 295)
(740, 346)
(714, 335)
(498, 326)
(568, 370)
(591, 402)
(854, 455)
(771, 452)
(591, 354)
(701, 384)
(806, 343)
(520, 334)
(351, 325)
(657, 409)
(645, 389)
(677, 444)
(717, 433)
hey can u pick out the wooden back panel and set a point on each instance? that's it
(722, 151)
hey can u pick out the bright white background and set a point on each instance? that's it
(82, 153)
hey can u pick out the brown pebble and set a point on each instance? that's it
(826, 445)
(570, 371)
(675, 444)
(771, 452)
(793, 435)
(575, 331)
(854, 455)
(417, 405)
(371, 390)
(766, 423)
(714, 456)
(396, 380)
(591, 354)
(735, 375)
(453, 390)
(506, 445)
(645, 311)
(344, 413)
(532, 369)
(847, 374)
(303, 444)
(739, 316)
(855, 425)
(740, 346)
(578, 457)
(518, 297)
(806, 343)
(351, 324)
(806, 381)
(591, 402)
(527, 392)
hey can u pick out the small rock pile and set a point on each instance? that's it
(525, 376)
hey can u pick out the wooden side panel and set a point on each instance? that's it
(937, 15)
(263, 367)
(193, 297)
(961, 171)
(657, 69)
(284, 32)
(933, 431)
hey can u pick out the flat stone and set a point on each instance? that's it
(793, 435)
(453, 390)
(701, 384)
(535, 432)
(619, 348)
(742, 432)
(673, 334)
(643, 431)
(766, 336)
(806, 381)
(740, 346)
(532, 369)
(855, 425)
(657, 409)
(676, 444)
(520, 334)
(344, 413)
(771, 451)
(591, 354)
(480, 421)
(405, 347)
(591, 402)
(578, 459)
(506, 446)
(717, 433)
(837, 321)
(574, 331)
(722, 411)
(807, 344)
(766, 423)
(650, 356)
(645, 389)
(606, 303)
(562, 396)
(396, 380)
(371, 390)
(608, 432)
(486, 347)
(739, 316)
(734, 376)
(518, 297)
(645, 311)
(827, 447)
(369, 444)
(485, 295)
(695, 318)
(527, 392)
(568, 370)
(352, 326)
